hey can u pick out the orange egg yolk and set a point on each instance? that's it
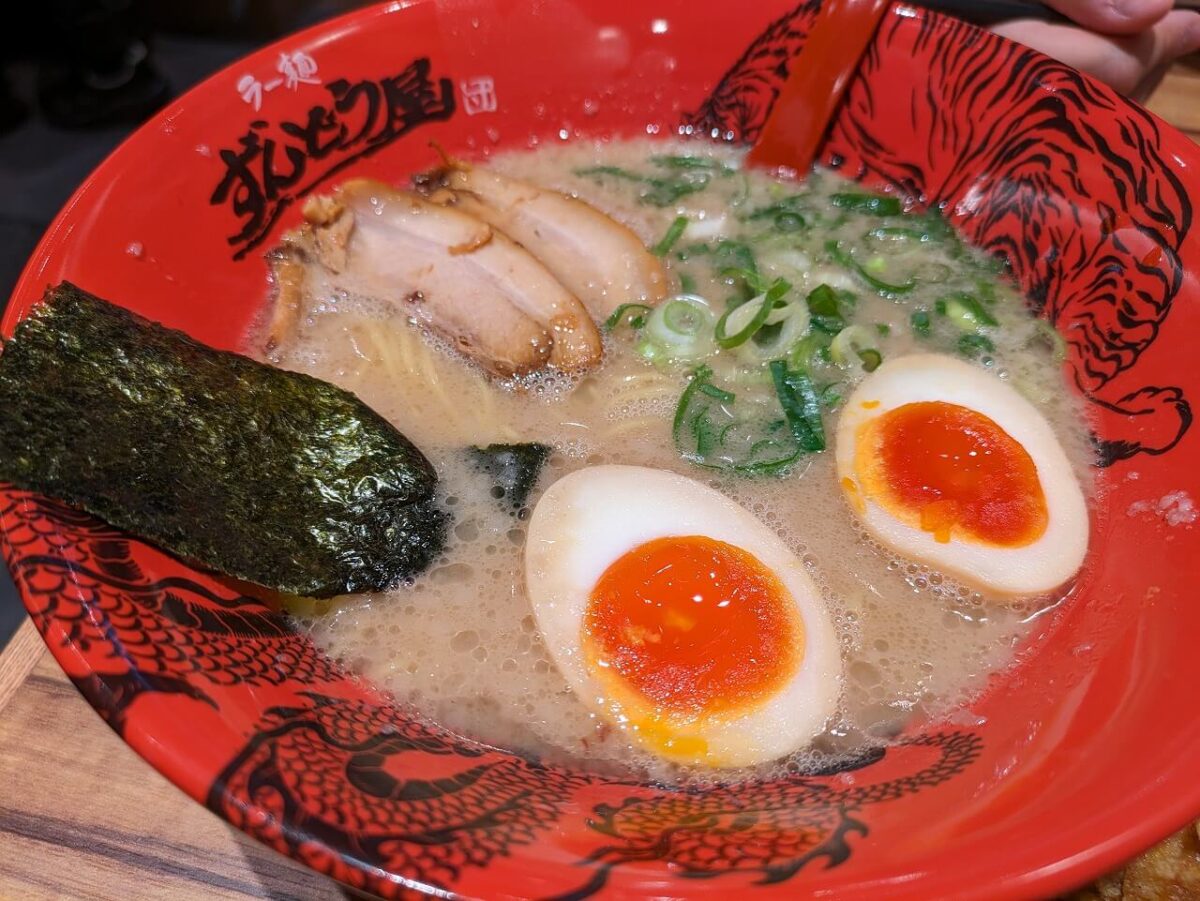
(952, 471)
(693, 625)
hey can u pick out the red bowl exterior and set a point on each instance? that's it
(1079, 757)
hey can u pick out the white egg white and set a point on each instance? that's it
(1038, 567)
(589, 519)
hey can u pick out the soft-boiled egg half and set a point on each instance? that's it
(948, 465)
(679, 616)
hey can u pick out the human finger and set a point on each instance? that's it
(1131, 65)
(1116, 17)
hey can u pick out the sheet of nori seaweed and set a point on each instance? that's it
(513, 468)
(269, 476)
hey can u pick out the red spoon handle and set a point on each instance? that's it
(819, 76)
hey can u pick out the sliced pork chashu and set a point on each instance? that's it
(486, 295)
(289, 275)
(601, 261)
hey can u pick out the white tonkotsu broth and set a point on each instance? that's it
(461, 645)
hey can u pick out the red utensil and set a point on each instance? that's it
(819, 76)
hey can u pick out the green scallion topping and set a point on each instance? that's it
(786, 215)
(801, 406)
(965, 311)
(921, 323)
(708, 433)
(846, 261)
(973, 345)
(674, 233)
(725, 397)
(872, 204)
(634, 313)
(808, 350)
(871, 359)
(897, 233)
(657, 191)
(673, 161)
(683, 318)
(826, 311)
(773, 295)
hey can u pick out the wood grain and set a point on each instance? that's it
(19, 657)
(82, 817)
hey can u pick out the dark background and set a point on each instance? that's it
(79, 76)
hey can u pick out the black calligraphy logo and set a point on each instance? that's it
(267, 171)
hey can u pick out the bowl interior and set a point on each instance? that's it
(1078, 757)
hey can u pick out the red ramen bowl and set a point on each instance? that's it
(1078, 757)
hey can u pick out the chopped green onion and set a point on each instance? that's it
(936, 226)
(929, 227)
(898, 233)
(762, 309)
(687, 284)
(778, 466)
(743, 190)
(800, 405)
(826, 311)
(883, 328)
(708, 433)
(735, 253)
(637, 320)
(823, 302)
(845, 260)
(921, 323)
(651, 352)
(788, 215)
(855, 341)
(973, 345)
(684, 317)
(706, 440)
(985, 289)
(671, 161)
(615, 171)
(726, 254)
(681, 327)
(725, 397)
(793, 203)
(965, 311)
(659, 191)
(776, 337)
(752, 280)
(830, 396)
(871, 358)
(871, 204)
(674, 233)
(807, 350)
(746, 319)
(666, 192)
(699, 377)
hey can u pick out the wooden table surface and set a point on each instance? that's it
(124, 831)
